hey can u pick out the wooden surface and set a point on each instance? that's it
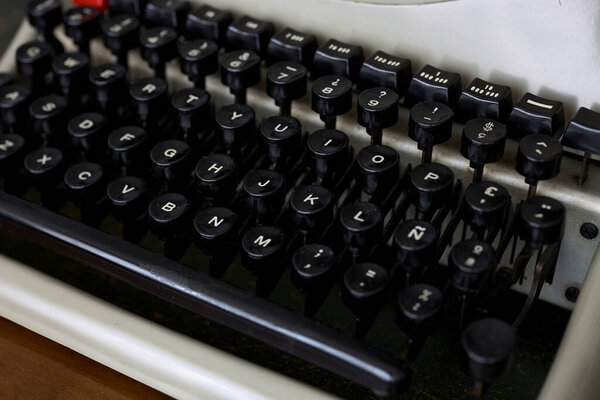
(33, 367)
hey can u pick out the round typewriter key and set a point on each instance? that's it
(485, 204)
(420, 307)
(331, 96)
(538, 158)
(431, 186)
(13, 105)
(377, 109)
(362, 224)
(193, 109)
(235, 125)
(313, 208)
(34, 62)
(416, 244)
(43, 162)
(378, 166)
(265, 192)
(71, 70)
(364, 287)
(262, 249)
(168, 211)
(471, 263)
(488, 345)
(198, 58)
(110, 85)
(286, 81)
(171, 161)
(313, 264)
(87, 133)
(49, 113)
(11, 146)
(121, 34)
(216, 176)
(150, 96)
(215, 224)
(430, 123)
(240, 69)
(85, 181)
(128, 195)
(282, 135)
(81, 25)
(483, 141)
(159, 45)
(44, 15)
(128, 145)
(330, 148)
(542, 221)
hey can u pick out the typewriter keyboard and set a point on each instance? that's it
(398, 231)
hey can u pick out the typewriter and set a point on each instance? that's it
(317, 199)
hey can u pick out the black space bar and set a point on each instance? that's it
(207, 296)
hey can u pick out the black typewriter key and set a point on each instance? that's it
(431, 186)
(216, 177)
(362, 226)
(6, 79)
(488, 347)
(583, 134)
(377, 109)
(331, 149)
(313, 209)
(11, 147)
(331, 96)
(128, 196)
(364, 293)
(240, 69)
(482, 99)
(110, 86)
(197, 59)
(235, 126)
(485, 205)
(378, 167)
(313, 265)
(81, 25)
(471, 263)
(171, 163)
(168, 216)
(135, 8)
(171, 13)
(419, 314)
(215, 228)
(87, 133)
(71, 71)
(482, 142)
(209, 23)
(536, 115)
(250, 34)
(430, 123)
(538, 159)
(192, 107)
(50, 116)
(542, 221)
(434, 84)
(159, 45)
(150, 97)
(383, 69)
(263, 249)
(339, 58)
(286, 81)
(34, 63)
(282, 135)
(84, 182)
(121, 34)
(14, 99)
(416, 245)
(44, 165)
(292, 45)
(264, 193)
(45, 15)
(129, 149)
